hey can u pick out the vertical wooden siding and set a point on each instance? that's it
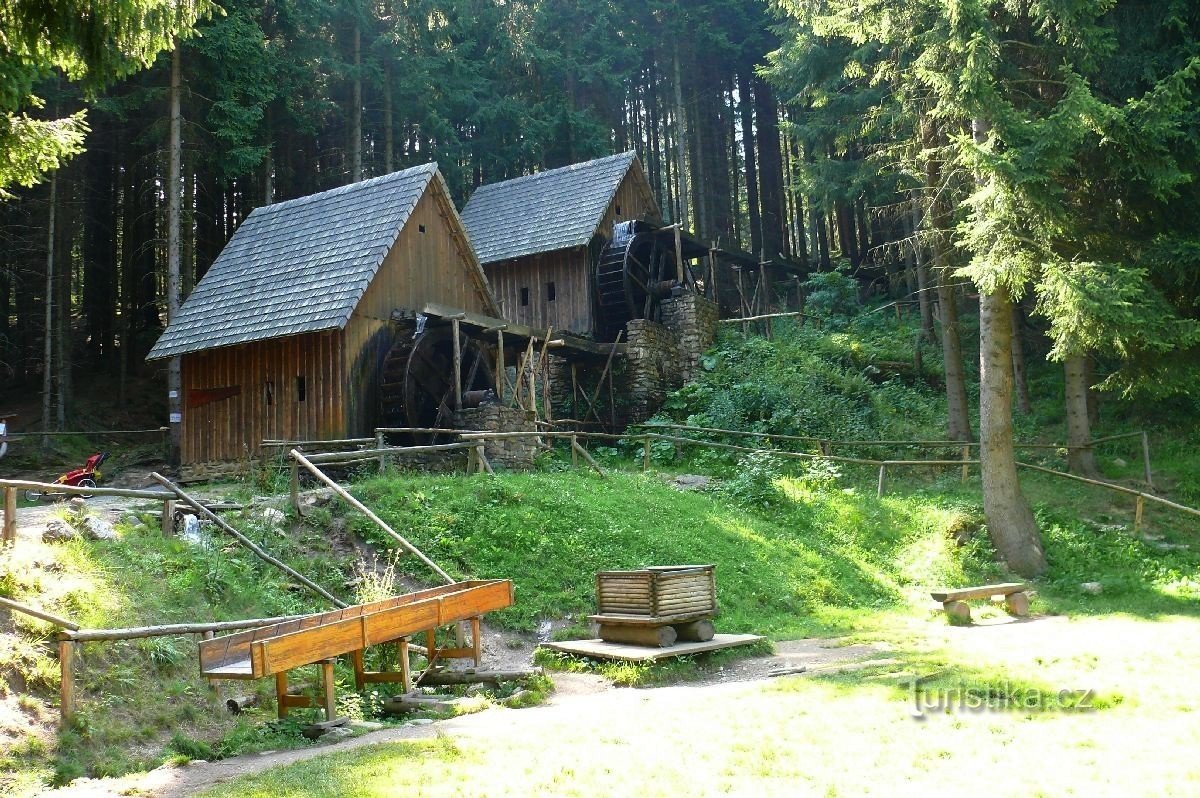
(230, 428)
(569, 269)
(422, 267)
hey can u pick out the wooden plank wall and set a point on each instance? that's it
(229, 428)
(422, 267)
(569, 269)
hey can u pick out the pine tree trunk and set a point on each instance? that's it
(923, 299)
(48, 347)
(174, 170)
(681, 134)
(389, 122)
(748, 153)
(356, 167)
(770, 170)
(958, 415)
(1024, 403)
(1010, 520)
(1080, 460)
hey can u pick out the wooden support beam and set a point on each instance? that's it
(281, 694)
(458, 386)
(362, 508)
(328, 690)
(168, 518)
(586, 456)
(16, 606)
(501, 371)
(645, 452)
(294, 487)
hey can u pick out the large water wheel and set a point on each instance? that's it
(634, 273)
(417, 389)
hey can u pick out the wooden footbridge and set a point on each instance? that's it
(317, 639)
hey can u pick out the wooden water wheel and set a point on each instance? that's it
(417, 389)
(634, 273)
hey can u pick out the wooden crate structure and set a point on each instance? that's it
(655, 606)
(276, 649)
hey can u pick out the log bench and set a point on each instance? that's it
(318, 639)
(954, 600)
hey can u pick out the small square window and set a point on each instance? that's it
(269, 393)
(301, 389)
(549, 292)
(421, 228)
(524, 297)
(618, 210)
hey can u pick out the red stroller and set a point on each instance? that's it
(85, 477)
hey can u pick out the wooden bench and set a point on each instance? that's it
(318, 639)
(954, 600)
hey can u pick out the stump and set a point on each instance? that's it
(958, 611)
(1017, 604)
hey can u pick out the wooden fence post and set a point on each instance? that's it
(66, 687)
(645, 452)
(458, 386)
(1146, 459)
(1139, 508)
(10, 516)
(882, 480)
(966, 468)
(574, 451)
(168, 518)
(379, 444)
(294, 486)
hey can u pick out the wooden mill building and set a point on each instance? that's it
(286, 335)
(539, 237)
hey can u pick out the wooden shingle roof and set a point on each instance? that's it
(298, 266)
(543, 212)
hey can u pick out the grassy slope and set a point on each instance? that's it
(135, 696)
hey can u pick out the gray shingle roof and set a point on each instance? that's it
(298, 266)
(555, 209)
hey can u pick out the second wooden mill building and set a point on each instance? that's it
(286, 335)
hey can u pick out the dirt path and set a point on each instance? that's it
(576, 696)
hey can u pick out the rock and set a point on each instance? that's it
(419, 722)
(338, 732)
(543, 631)
(58, 529)
(690, 482)
(1092, 588)
(272, 516)
(98, 529)
(1119, 463)
(78, 505)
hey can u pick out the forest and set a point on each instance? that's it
(1035, 158)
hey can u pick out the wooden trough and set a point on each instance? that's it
(317, 639)
(657, 606)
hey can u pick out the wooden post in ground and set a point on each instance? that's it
(454, 326)
(294, 486)
(481, 460)
(1139, 508)
(66, 687)
(405, 672)
(476, 641)
(328, 689)
(882, 480)
(574, 451)
(966, 468)
(10, 516)
(472, 461)
(168, 518)
(501, 373)
(379, 444)
(645, 452)
(1146, 459)
(281, 694)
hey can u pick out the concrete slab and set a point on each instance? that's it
(599, 649)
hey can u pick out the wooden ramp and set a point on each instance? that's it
(599, 649)
(318, 639)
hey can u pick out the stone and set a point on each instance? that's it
(272, 516)
(1092, 588)
(691, 482)
(57, 529)
(1119, 463)
(98, 529)
(419, 722)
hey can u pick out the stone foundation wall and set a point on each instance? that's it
(510, 453)
(652, 367)
(694, 321)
